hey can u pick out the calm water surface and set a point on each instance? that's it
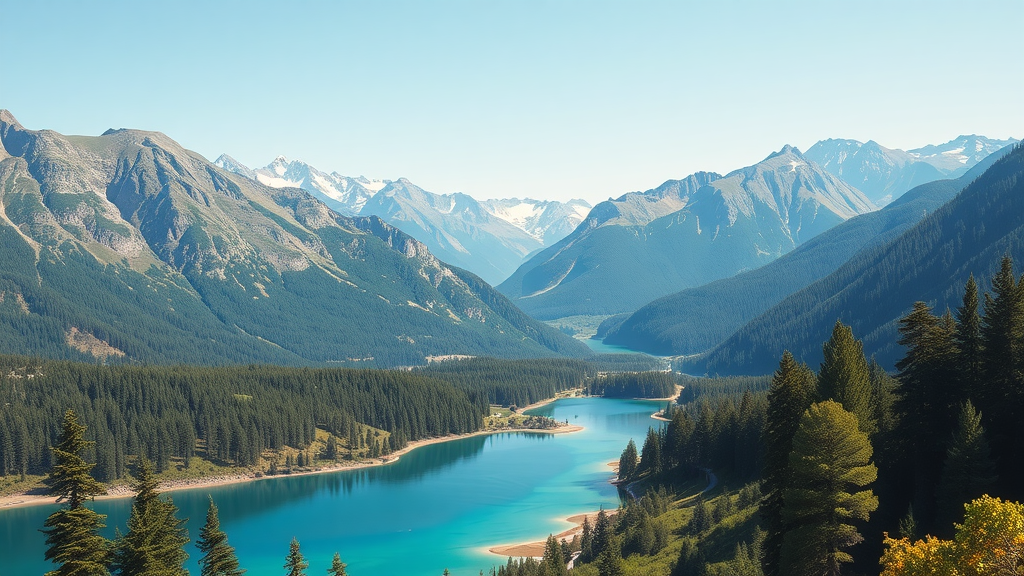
(440, 506)
(601, 348)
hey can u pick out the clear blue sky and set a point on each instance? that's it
(532, 98)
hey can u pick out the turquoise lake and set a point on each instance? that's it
(601, 348)
(440, 506)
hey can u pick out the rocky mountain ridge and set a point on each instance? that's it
(145, 246)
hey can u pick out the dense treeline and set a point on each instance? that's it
(513, 382)
(232, 414)
(695, 388)
(850, 449)
(634, 385)
(723, 433)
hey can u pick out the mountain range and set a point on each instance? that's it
(929, 262)
(128, 247)
(696, 319)
(490, 238)
(884, 174)
(684, 233)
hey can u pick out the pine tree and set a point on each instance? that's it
(844, 376)
(788, 397)
(702, 517)
(677, 440)
(337, 566)
(830, 464)
(155, 542)
(602, 533)
(926, 400)
(650, 455)
(883, 399)
(586, 541)
(218, 557)
(627, 462)
(691, 561)
(968, 340)
(72, 533)
(610, 561)
(553, 561)
(969, 472)
(1002, 390)
(908, 525)
(294, 561)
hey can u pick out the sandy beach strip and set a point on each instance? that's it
(124, 491)
(536, 549)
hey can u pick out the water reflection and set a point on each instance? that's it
(441, 502)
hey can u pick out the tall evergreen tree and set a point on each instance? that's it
(337, 566)
(627, 462)
(844, 376)
(602, 533)
(830, 463)
(294, 561)
(969, 472)
(883, 399)
(968, 340)
(1002, 394)
(925, 403)
(586, 541)
(788, 396)
(650, 455)
(72, 533)
(691, 561)
(554, 561)
(155, 542)
(218, 557)
(610, 561)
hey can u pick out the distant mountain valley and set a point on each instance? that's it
(490, 238)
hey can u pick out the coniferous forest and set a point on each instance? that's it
(851, 464)
(837, 467)
(230, 415)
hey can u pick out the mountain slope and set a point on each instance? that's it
(684, 233)
(491, 238)
(884, 174)
(342, 194)
(696, 319)
(454, 226)
(546, 220)
(128, 247)
(930, 262)
(959, 154)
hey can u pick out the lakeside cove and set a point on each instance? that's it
(439, 506)
(500, 422)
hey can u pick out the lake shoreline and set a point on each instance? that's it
(536, 549)
(26, 499)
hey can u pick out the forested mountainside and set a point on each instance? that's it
(490, 238)
(929, 262)
(846, 464)
(229, 415)
(127, 247)
(684, 233)
(695, 320)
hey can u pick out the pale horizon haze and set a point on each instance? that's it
(550, 100)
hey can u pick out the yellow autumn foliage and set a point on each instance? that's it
(990, 542)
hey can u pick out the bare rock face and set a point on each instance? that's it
(644, 245)
(173, 244)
